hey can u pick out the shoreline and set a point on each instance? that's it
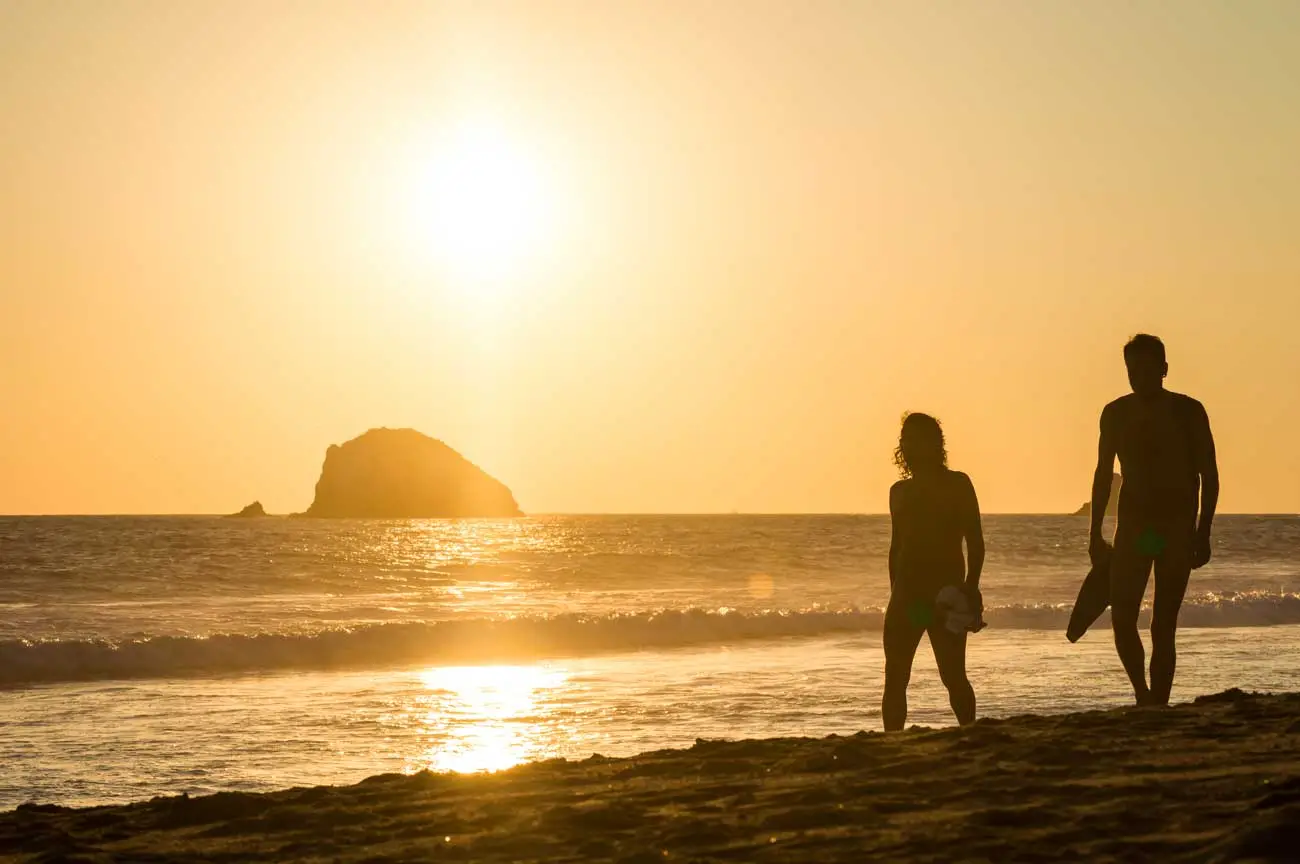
(1214, 779)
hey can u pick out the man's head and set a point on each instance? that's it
(1144, 355)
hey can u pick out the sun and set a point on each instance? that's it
(481, 208)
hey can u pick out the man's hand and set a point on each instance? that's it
(1099, 551)
(1201, 551)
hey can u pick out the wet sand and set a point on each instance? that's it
(1213, 780)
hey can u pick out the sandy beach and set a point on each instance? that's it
(1217, 779)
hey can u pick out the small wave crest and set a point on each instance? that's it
(24, 662)
(1206, 611)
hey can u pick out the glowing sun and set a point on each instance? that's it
(481, 208)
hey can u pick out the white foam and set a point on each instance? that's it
(491, 640)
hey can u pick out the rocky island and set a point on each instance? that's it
(404, 474)
(1115, 482)
(252, 511)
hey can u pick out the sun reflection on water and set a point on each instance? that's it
(486, 718)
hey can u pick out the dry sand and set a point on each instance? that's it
(1214, 780)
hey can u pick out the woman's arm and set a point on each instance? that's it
(973, 531)
(893, 533)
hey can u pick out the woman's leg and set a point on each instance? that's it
(902, 635)
(950, 656)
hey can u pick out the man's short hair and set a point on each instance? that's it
(1145, 345)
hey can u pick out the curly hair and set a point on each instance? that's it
(920, 442)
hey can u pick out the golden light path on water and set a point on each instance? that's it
(485, 718)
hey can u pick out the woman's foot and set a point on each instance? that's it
(1146, 700)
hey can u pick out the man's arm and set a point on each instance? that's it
(1101, 478)
(1207, 465)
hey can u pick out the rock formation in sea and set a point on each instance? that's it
(403, 474)
(1115, 482)
(251, 511)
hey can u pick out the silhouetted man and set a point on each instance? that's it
(1166, 456)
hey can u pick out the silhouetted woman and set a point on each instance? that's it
(933, 509)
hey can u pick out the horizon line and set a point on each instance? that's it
(575, 513)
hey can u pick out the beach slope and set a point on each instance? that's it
(1213, 780)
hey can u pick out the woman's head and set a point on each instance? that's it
(920, 446)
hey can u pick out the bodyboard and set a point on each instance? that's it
(1093, 599)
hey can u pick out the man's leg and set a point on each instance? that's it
(901, 637)
(950, 656)
(1130, 568)
(1173, 568)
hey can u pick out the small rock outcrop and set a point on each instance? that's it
(1115, 482)
(403, 474)
(252, 510)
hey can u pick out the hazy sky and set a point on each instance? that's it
(658, 256)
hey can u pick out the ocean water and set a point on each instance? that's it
(149, 656)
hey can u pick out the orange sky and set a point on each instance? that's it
(769, 229)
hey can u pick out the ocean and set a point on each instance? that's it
(144, 656)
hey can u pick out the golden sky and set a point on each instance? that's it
(645, 257)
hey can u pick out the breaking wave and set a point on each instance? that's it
(24, 662)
